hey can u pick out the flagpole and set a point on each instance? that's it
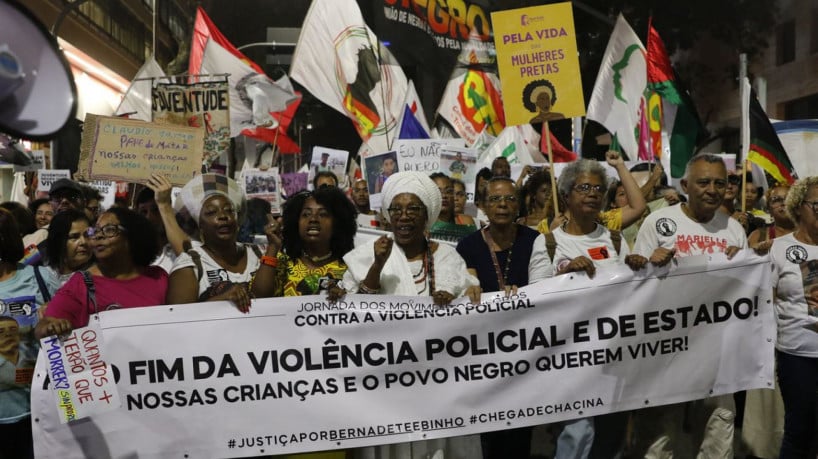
(383, 95)
(745, 169)
(546, 132)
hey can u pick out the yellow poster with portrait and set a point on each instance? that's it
(538, 63)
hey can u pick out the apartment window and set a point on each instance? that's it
(785, 42)
(803, 108)
(118, 23)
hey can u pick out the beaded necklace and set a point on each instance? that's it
(502, 275)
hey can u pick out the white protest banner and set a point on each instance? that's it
(299, 374)
(83, 381)
(45, 177)
(265, 185)
(422, 155)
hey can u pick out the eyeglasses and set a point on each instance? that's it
(734, 179)
(585, 188)
(777, 199)
(812, 205)
(410, 211)
(446, 190)
(107, 231)
(496, 199)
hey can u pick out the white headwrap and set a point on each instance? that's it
(203, 186)
(418, 184)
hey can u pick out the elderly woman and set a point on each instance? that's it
(67, 245)
(503, 256)
(416, 266)
(221, 269)
(319, 229)
(409, 264)
(124, 246)
(583, 244)
(795, 280)
(24, 288)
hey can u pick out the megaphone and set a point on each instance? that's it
(37, 92)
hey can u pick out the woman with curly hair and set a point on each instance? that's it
(124, 244)
(539, 205)
(319, 229)
(539, 96)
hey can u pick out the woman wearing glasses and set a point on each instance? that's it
(124, 244)
(408, 263)
(582, 244)
(794, 260)
(503, 256)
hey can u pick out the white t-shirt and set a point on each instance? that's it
(670, 228)
(795, 271)
(213, 272)
(167, 257)
(596, 245)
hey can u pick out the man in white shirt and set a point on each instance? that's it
(686, 229)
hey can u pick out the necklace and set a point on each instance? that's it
(317, 259)
(502, 275)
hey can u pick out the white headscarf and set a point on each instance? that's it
(418, 184)
(203, 186)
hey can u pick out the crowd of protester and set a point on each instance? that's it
(67, 259)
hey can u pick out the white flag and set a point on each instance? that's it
(619, 86)
(137, 100)
(252, 95)
(342, 63)
(510, 144)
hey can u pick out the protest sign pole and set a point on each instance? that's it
(546, 135)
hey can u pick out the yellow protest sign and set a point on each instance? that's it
(132, 150)
(538, 63)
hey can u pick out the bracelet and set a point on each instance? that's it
(371, 291)
(269, 261)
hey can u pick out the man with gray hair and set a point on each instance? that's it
(685, 229)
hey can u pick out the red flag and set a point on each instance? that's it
(560, 153)
(205, 30)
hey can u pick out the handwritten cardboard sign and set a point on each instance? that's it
(132, 150)
(83, 382)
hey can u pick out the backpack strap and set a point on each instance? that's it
(550, 245)
(616, 238)
(41, 284)
(90, 289)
